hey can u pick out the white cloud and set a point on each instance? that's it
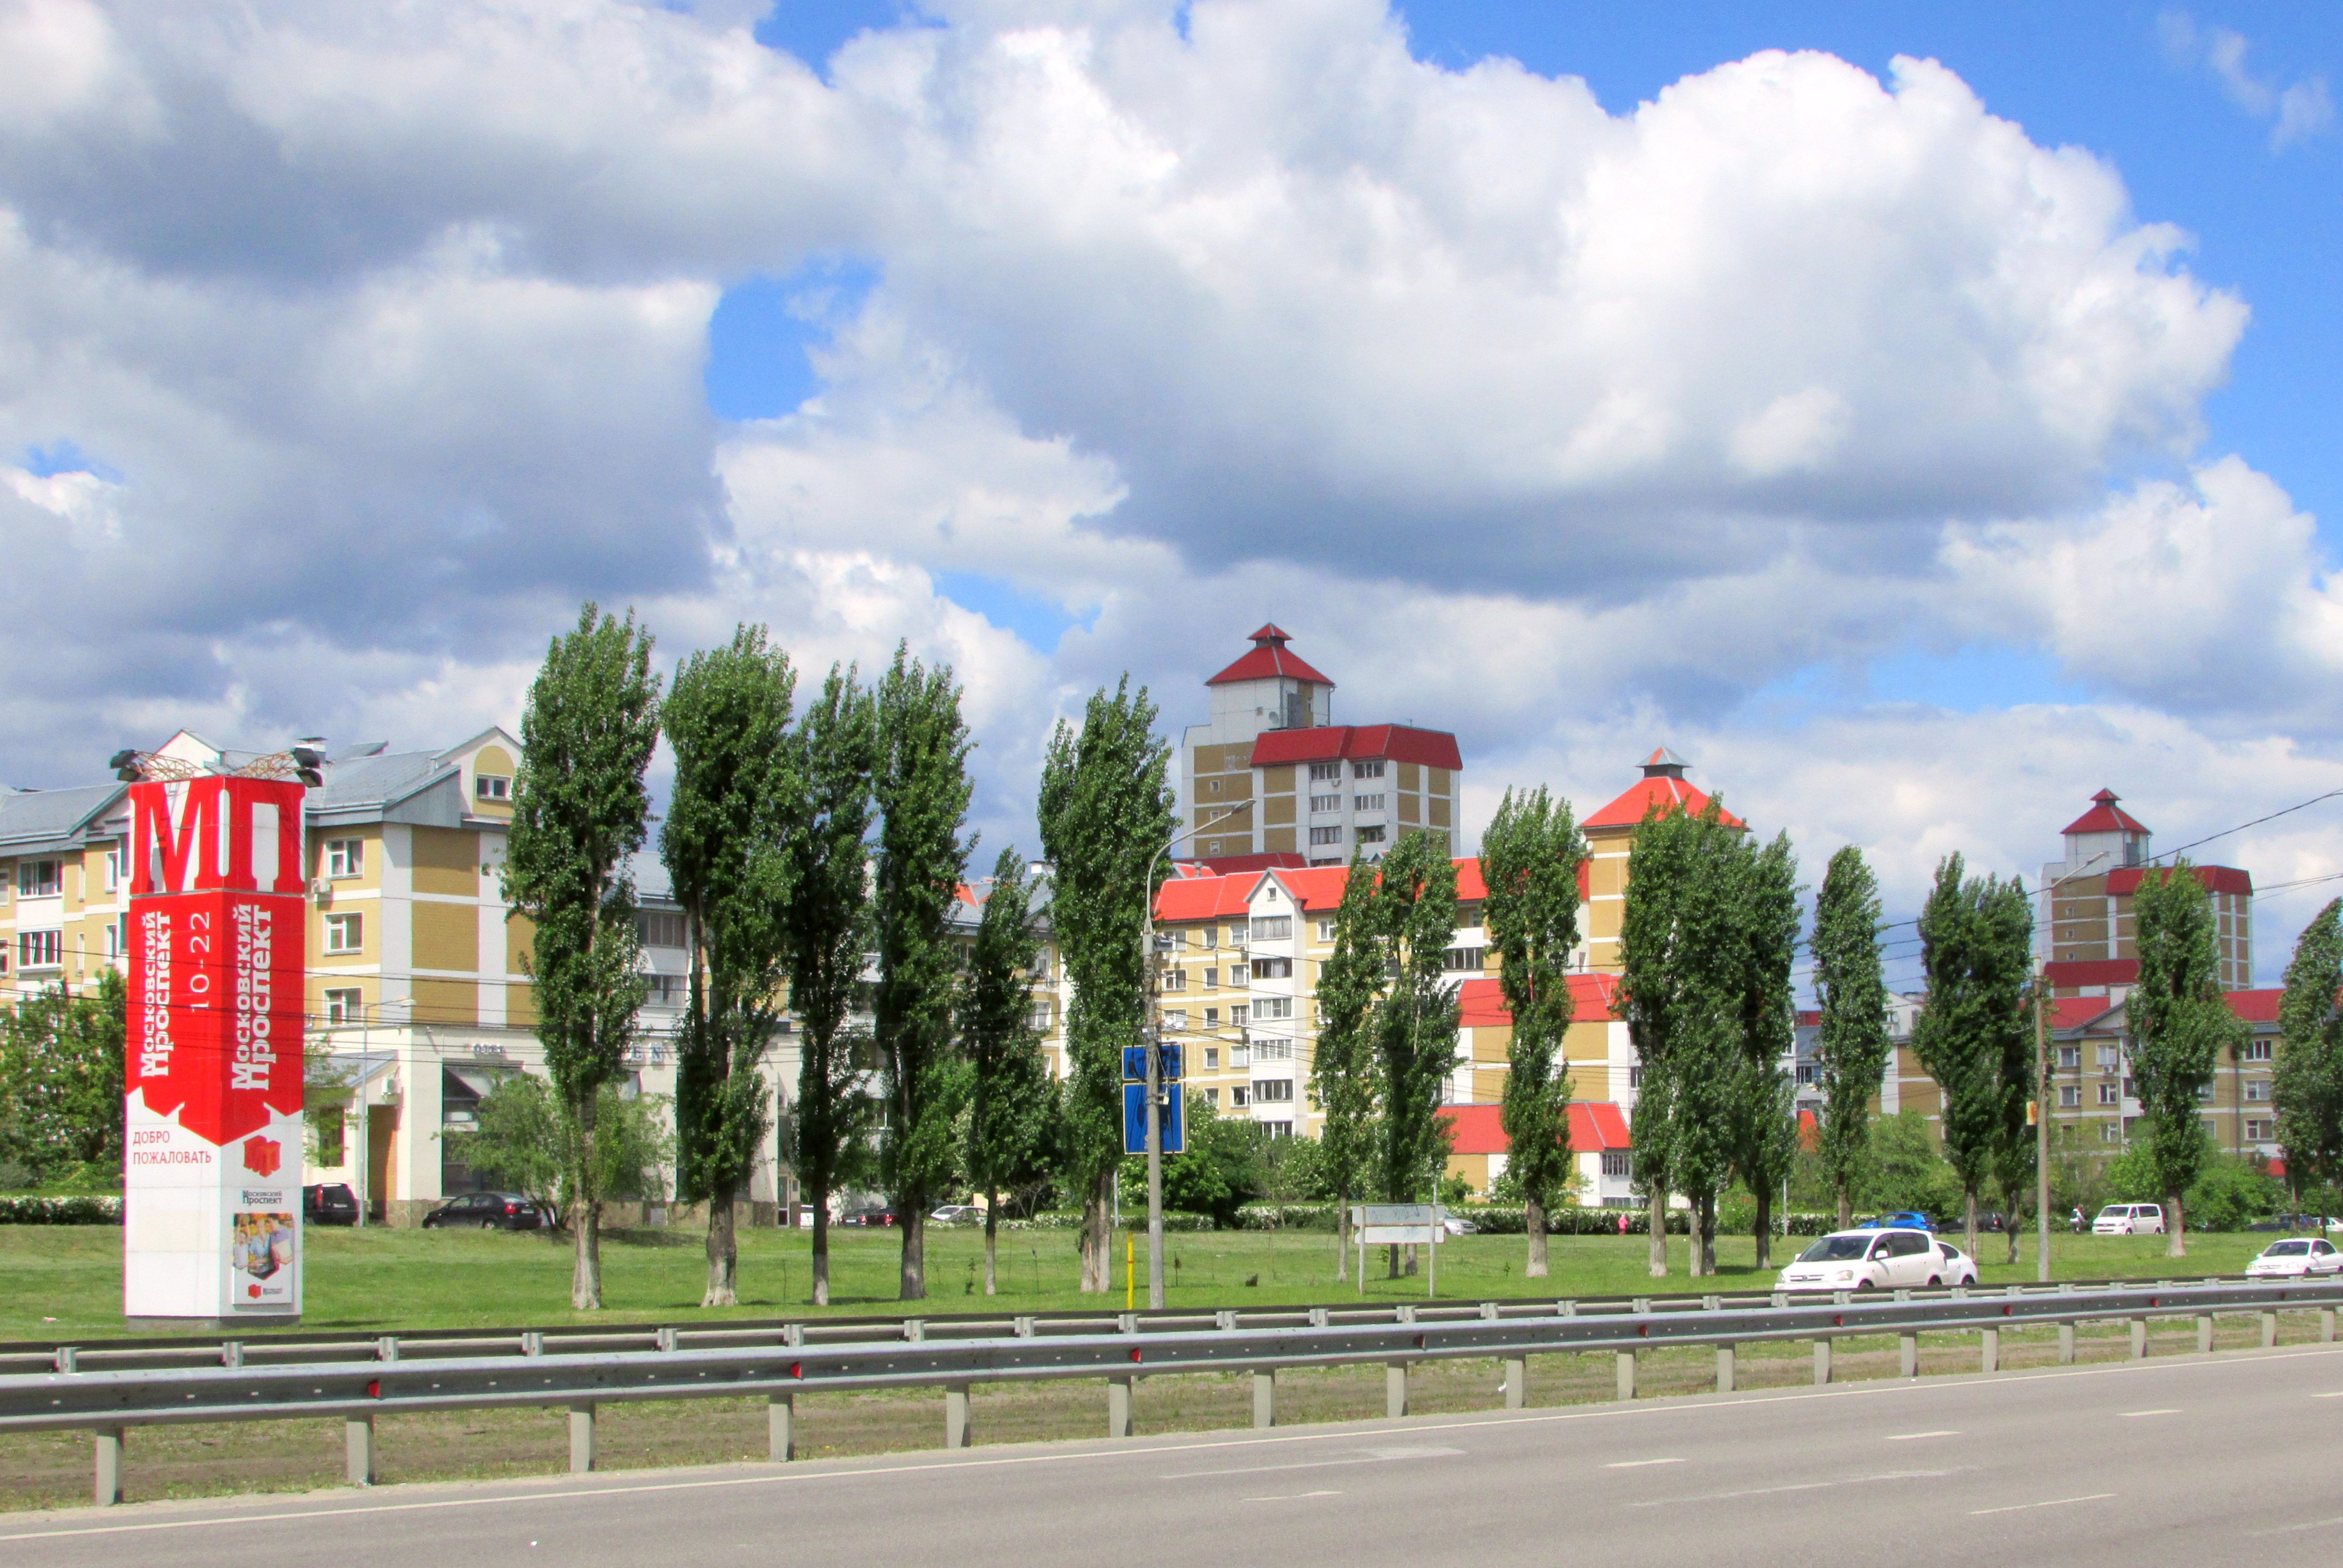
(2297, 110)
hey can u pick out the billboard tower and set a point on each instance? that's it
(217, 950)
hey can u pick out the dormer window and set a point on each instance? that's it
(493, 787)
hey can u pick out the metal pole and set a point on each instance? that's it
(2041, 1118)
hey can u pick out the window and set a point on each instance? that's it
(40, 950)
(1321, 772)
(2261, 1131)
(666, 990)
(2108, 1095)
(345, 858)
(2107, 1132)
(660, 929)
(1325, 930)
(1635, 1077)
(491, 787)
(1325, 836)
(1374, 770)
(1177, 979)
(1272, 929)
(1209, 938)
(1806, 1073)
(2106, 1053)
(1270, 1007)
(1175, 1020)
(1043, 1015)
(1618, 1162)
(2130, 1092)
(113, 868)
(2204, 1093)
(1240, 1096)
(1272, 1051)
(1212, 1018)
(2257, 1050)
(1326, 802)
(1368, 803)
(1213, 1098)
(1212, 1056)
(1273, 1092)
(2070, 1096)
(40, 878)
(1273, 969)
(1212, 980)
(4, 958)
(1213, 788)
(2070, 1057)
(2258, 1090)
(1240, 1015)
(345, 933)
(116, 933)
(345, 1006)
(1464, 961)
(1236, 933)
(1371, 835)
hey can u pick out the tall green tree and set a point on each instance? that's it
(835, 750)
(1851, 1046)
(922, 790)
(2181, 1024)
(1416, 1022)
(1976, 938)
(61, 1083)
(1531, 858)
(579, 809)
(2308, 1089)
(1105, 813)
(1344, 1079)
(1009, 1101)
(730, 823)
(1764, 1106)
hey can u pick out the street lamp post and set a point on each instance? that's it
(1149, 1036)
(2041, 1079)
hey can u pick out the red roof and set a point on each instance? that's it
(2074, 1011)
(1594, 999)
(1594, 1124)
(1205, 897)
(2104, 817)
(1316, 889)
(2126, 880)
(1660, 791)
(1268, 659)
(1326, 742)
(2255, 1006)
(1810, 1132)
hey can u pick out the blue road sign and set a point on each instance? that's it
(1134, 1120)
(1134, 1063)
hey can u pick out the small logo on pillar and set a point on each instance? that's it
(262, 1156)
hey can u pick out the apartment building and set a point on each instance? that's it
(1270, 779)
(1610, 835)
(2084, 929)
(62, 890)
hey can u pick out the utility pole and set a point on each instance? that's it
(2042, 1076)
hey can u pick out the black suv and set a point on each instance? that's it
(486, 1211)
(329, 1203)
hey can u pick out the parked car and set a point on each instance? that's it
(1899, 1219)
(1876, 1260)
(2295, 1223)
(2294, 1258)
(877, 1214)
(2129, 1219)
(490, 1210)
(1457, 1225)
(329, 1203)
(957, 1214)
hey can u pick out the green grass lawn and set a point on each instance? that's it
(65, 1282)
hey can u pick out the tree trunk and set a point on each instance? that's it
(1766, 1227)
(915, 1251)
(2013, 1227)
(992, 1240)
(586, 1270)
(1096, 1272)
(1342, 1242)
(1846, 1210)
(1708, 1235)
(822, 1249)
(1968, 1202)
(2176, 1228)
(1659, 1234)
(1534, 1220)
(723, 1253)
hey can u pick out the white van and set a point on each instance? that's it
(2129, 1219)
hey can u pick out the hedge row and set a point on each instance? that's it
(60, 1209)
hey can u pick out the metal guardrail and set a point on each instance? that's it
(776, 1363)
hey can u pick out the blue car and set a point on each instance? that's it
(1901, 1219)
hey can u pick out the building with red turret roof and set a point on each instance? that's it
(1611, 833)
(1272, 781)
(2084, 927)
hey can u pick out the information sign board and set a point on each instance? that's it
(1172, 1122)
(1170, 1065)
(1397, 1224)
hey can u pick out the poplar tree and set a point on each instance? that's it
(1976, 938)
(1416, 1022)
(834, 752)
(579, 809)
(1531, 858)
(1851, 1046)
(1343, 1072)
(1009, 1097)
(2309, 1074)
(732, 820)
(1105, 813)
(922, 788)
(2181, 1024)
(1765, 1098)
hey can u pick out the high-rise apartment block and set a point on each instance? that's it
(2084, 929)
(1271, 780)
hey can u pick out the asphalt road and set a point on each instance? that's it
(2237, 1458)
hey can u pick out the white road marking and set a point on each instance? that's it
(2053, 1503)
(1916, 1436)
(2331, 1393)
(2136, 1414)
(1370, 1456)
(1293, 1497)
(2290, 1529)
(1638, 1463)
(1801, 1486)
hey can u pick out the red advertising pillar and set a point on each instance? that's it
(212, 1189)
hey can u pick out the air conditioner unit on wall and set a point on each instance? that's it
(322, 890)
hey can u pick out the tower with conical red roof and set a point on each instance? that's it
(2082, 930)
(1611, 834)
(1272, 780)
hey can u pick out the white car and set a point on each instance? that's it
(2129, 1219)
(2296, 1257)
(1878, 1261)
(958, 1214)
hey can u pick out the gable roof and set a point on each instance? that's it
(1664, 792)
(1205, 898)
(33, 819)
(1328, 742)
(2124, 880)
(1269, 659)
(1596, 1125)
(2104, 817)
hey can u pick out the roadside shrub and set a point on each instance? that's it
(60, 1209)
